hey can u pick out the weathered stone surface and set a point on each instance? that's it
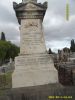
(33, 66)
(34, 70)
(32, 38)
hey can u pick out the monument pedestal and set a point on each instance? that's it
(33, 70)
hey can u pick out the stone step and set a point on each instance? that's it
(35, 62)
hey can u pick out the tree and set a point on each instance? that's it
(4, 46)
(50, 51)
(14, 50)
(72, 48)
(3, 36)
(7, 51)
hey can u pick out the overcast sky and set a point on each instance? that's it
(58, 31)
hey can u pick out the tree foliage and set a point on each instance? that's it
(7, 51)
(3, 36)
(72, 48)
(50, 51)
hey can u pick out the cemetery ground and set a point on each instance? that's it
(34, 92)
(5, 82)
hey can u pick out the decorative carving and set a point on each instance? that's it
(31, 24)
(31, 6)
(31, 16)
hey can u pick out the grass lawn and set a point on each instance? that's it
(5, 82)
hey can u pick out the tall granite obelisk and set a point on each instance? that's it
(33, 66)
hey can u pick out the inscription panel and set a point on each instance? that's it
(34, 62)
(32, 37)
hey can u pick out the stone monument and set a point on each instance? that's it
(33, 66)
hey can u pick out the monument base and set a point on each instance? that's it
(33, 70)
